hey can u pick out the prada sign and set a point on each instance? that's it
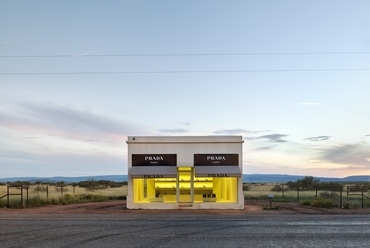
(154, 160)
(218, 175)
(153, 176)
(216, 159)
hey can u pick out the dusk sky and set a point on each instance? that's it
(78, 77)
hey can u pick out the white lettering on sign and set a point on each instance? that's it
(153, 176)
(217, 158)
(217, 175)
(156, 158)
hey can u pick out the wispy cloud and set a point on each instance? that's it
(29, 137)
(237, 131)
(93, 43)
(265, 148)
(271, 138)
(230, 131)
(348, 168)
(318, 138)
(48, 118)
(348, 154)
(185, 123)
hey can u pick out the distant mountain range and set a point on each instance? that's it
(251, 178)
(114, 178)
(281, 178)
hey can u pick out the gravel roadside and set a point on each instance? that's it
(252, 207)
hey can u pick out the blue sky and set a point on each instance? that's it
(78, 77)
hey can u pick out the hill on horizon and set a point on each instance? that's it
(247, 178)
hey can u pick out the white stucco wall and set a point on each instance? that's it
(185, 147)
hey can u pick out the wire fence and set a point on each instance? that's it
(29, 195)
(342, 196)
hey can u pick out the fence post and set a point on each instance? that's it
(362, 196)
(282, 187)
(7, 196)
(297, 193)
(21, 196)
(316, 190)
(340, 195)
(61, 189)
(347, 196)
(47, 192)
(27, 196)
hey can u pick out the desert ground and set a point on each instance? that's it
(252, 207)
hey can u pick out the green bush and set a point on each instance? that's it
(121, 197)
(329, 195)
(40, 188)
(246, 187)
(306, 203)
(278, 188)
(37, 201)
(62, 200)
(322, 203)
(92, 198)
(332, 196)
(70, 198)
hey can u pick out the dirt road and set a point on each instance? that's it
(119, 207)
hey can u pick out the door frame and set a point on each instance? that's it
(178, 198)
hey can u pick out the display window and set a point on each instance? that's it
(185, 188)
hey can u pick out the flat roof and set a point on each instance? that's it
(184, 139)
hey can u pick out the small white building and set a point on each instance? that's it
(196, 172)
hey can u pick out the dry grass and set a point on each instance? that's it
(44, 195)
(257, 191)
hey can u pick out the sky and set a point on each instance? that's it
(291, 77)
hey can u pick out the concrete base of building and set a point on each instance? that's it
(195, 205)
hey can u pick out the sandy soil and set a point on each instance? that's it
(119, 207)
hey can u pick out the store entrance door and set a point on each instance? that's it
(185, 185)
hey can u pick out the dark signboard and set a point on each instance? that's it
(216, 159)
(154, 160)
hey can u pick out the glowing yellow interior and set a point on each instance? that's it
(206, 189)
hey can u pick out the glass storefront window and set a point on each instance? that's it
(205, 189)
(208, 189)
(154, 190)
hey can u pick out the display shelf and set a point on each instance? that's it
(209, 199)
(165, 180)
(156, 199)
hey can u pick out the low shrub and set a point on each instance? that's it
(306, 203)
(278, 188)
(70, 198)
(40, 188)
(246, 187)
(92, 198)
(38, 201)
(322, 203)
(330, 195)
(121, 197)
(62, 200)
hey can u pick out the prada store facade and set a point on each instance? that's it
(199, 172)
